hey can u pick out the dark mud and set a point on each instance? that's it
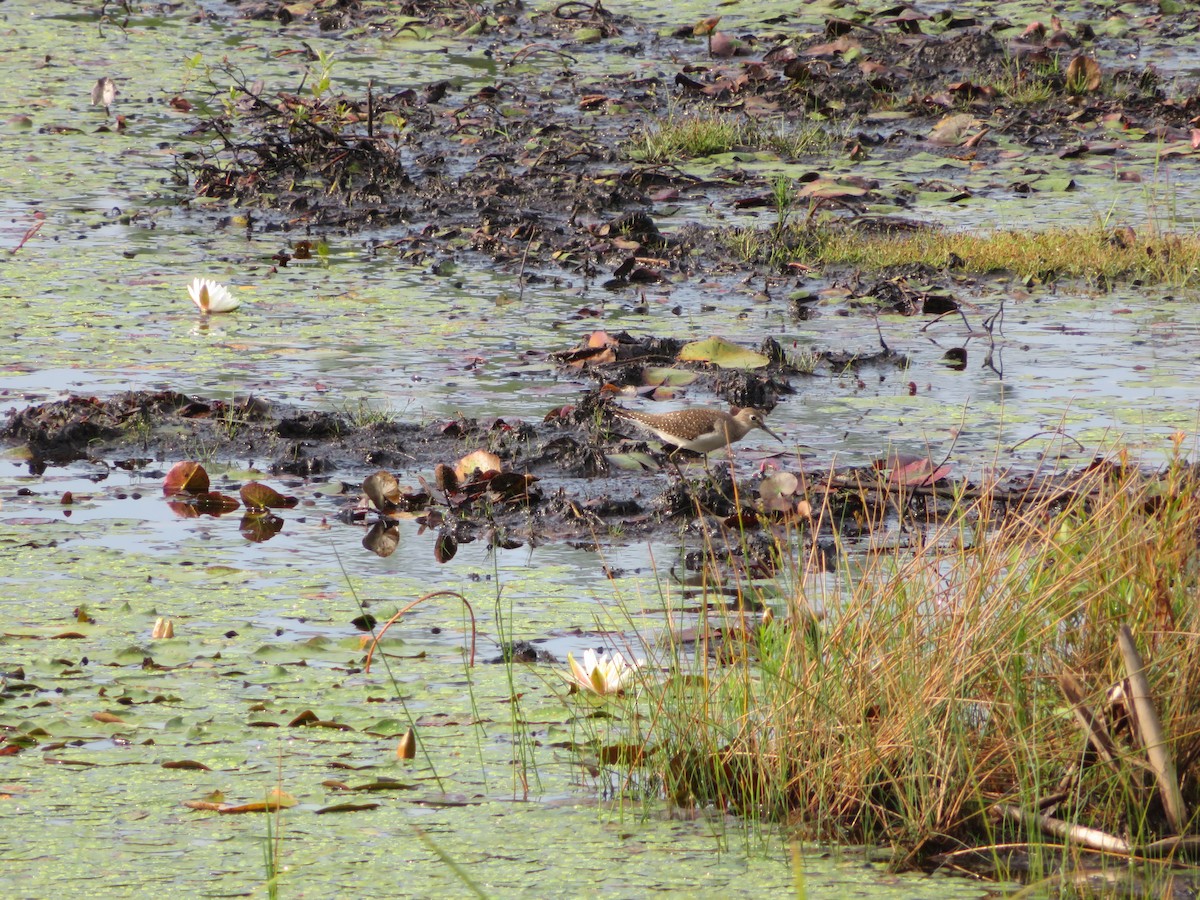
(534, 170)
(565, 479)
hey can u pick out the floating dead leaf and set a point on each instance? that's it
(186, 764)
(385, 784)
(276, 800)
(477, 462)
(382, 540)
(108, 718)
(186, 478)
(257, 495)
(345, 808)
(257, 527)
(383, 490)
(723, 354)
(60, 761)
(407, 748)
(305, 718)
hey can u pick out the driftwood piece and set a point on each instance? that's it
(1092, 838)
(1152, 735)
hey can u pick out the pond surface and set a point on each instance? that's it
(95, 303)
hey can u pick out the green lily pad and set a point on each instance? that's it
(663, 376)
(720, 352)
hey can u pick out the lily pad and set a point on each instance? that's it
(723, 354)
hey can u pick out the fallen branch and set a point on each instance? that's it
(1091, 838)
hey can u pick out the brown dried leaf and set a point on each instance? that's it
(382, 489)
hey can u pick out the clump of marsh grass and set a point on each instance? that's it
(913, 697)
(1090, 252)
(706, 134)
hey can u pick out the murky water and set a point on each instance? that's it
(95, 302)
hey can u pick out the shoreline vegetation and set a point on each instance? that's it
(963, 685)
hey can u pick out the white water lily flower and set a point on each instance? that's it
(605, 674)
(212, 296)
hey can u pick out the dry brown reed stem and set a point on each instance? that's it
(388, 624)
(1153, 737)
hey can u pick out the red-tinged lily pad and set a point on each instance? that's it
(721, 353)
(257, 495)
(383, 490)
(913, 471)
(478, 461)
(186, 478)
(260, 526)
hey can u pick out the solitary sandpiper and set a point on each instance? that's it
(699, 429)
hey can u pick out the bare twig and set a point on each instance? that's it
(396, 617)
